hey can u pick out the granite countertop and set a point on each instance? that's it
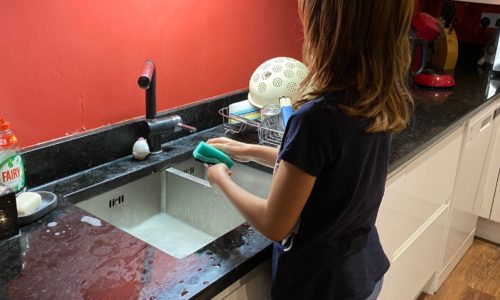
(62, 257)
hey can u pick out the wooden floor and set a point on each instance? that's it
(476, 277)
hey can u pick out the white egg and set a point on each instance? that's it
(141, 149)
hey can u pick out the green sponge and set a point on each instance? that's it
(211, 155)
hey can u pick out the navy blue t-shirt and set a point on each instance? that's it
(335, 252)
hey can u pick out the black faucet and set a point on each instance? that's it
(157, 126)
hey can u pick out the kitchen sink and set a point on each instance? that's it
(176, 210)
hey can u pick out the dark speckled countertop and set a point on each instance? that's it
(61, 257)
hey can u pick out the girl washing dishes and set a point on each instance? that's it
(331, 167)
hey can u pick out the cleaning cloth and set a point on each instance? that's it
(210, 155)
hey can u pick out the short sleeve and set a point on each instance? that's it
(309, 141)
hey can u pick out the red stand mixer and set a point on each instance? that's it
(429, 34)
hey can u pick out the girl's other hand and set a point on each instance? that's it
(217, 173)
(233, 148)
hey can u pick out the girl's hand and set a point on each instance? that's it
(217, 173)
(233, 148)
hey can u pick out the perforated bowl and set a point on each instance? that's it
(275, 78)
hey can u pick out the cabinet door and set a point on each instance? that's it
(495, 211)
(255, 285)
(463, 217)
(475, 147)
(487, 186)
(427, 187)
(417, 263)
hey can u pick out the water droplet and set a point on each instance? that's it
(52, 224)
(216, 265)
(182, 281)
(205, 282)
(47, 230)
(199, 269)
(209, 253)
(92, 221)
(184, 292)
(57, 233)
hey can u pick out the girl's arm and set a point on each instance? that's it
(243, 152)
(273, 217)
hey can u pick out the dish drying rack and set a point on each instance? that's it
(235, 124)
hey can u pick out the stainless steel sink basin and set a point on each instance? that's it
(176, 210)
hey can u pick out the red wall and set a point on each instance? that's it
(67, 66)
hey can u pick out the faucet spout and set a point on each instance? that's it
(157, 127)
(147, 81)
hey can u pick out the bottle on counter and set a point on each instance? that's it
(11, 162)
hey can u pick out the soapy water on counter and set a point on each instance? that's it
(92, 221)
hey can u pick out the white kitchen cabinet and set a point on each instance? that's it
(255, 285)
(495, 209)
(388, 214)
(488, 197)
(413, 214)
(416, 264)
(489, 178)
(476, 142)
(462, 221)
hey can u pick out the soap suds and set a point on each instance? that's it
(52, 224)
(92, 221)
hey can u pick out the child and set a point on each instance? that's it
(332, 165)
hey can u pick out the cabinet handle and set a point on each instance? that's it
(486, 122)
(496, 113)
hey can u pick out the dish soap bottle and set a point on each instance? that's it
(11, 162)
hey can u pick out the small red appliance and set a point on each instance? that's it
(426, 31)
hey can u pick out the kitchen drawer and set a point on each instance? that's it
(431, 176)
(415, 265)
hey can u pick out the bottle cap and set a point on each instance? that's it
(4, 125)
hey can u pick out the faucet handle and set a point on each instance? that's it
(186, 127)
(179, 123)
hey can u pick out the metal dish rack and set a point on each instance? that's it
(236, 124)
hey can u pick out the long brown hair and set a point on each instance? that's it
(360, 47)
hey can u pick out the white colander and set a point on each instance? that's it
(275, 78)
